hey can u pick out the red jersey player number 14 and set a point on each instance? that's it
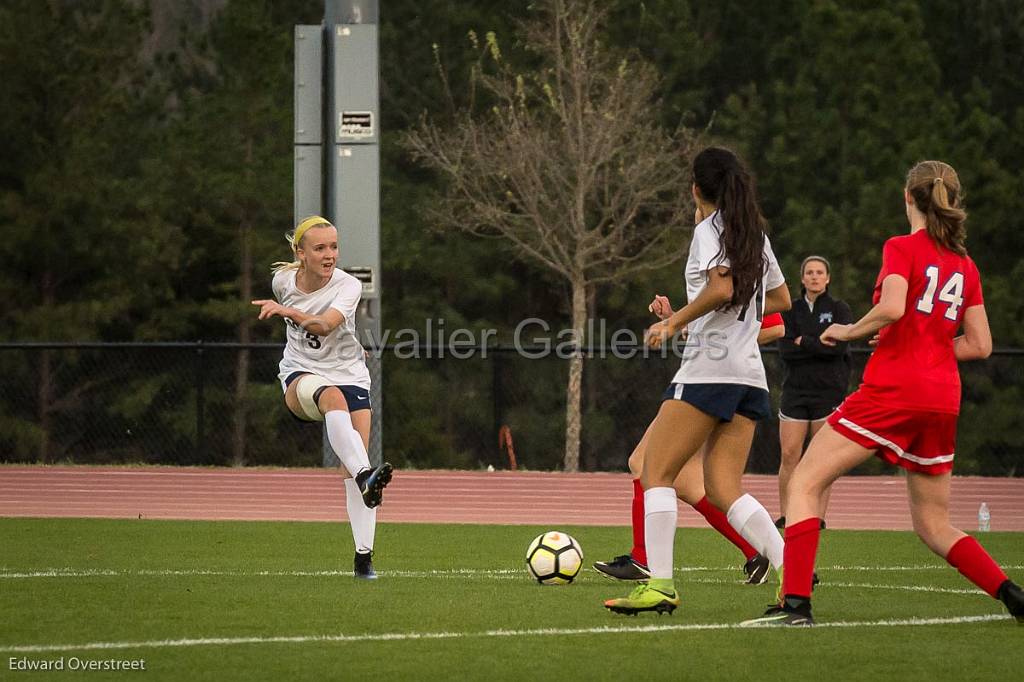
(914, 366)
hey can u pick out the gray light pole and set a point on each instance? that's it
(337, 159)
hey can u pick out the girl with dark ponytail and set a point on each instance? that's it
(732, 281)
(723, 182)
(905, 411)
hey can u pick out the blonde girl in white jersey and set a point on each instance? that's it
(323, 371)
(732, 280)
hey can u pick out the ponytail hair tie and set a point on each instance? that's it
(936, 181)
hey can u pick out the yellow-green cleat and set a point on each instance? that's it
(646, 597)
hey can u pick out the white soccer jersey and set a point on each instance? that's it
(337, 357)
(722, 345)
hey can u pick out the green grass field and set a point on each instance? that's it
(454, 602)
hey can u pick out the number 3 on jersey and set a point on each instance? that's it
(952, 292)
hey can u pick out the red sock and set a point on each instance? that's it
(639, 551)
(975, 564)
(720, 522)
(798, 557)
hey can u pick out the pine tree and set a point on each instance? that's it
(83, 258)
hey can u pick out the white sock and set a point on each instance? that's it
(660, 514)
(754, 523)
(345, 441)
(362, 519)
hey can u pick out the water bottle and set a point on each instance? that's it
(984, 518)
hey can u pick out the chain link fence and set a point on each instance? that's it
(184, 403)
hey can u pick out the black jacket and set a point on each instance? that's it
(813, 368)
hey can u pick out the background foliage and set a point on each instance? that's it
(145, 184)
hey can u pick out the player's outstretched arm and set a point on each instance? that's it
(976, 342)
(321, 325)
(814, 346)
(269, 308)
(890, 307)
(716, 293)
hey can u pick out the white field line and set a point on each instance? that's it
(912, 588)
(404, 636)
(865, 586)
(69, 572)
(104, 572)
(911, 567)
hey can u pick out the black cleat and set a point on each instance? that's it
(372, 482)
(780, 616)
(623, 567)
(757, 568)
(792, 611)
(1012, 596)
(363, 566)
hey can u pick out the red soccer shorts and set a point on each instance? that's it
(917, 441)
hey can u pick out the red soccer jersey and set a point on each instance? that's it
(773, 320)
(914, 367)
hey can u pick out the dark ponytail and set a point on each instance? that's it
(935, 189)
(723, 180)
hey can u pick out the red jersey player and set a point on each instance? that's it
(905, 410)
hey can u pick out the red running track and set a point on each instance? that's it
(535, 498)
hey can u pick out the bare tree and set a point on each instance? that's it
(563, 159)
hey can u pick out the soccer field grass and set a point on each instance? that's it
(276, 601)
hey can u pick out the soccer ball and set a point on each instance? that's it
(554, 558)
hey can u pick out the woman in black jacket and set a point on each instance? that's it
(816, 375)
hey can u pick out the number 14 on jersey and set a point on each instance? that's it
(952, 293)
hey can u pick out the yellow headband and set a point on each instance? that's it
(305, 225)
